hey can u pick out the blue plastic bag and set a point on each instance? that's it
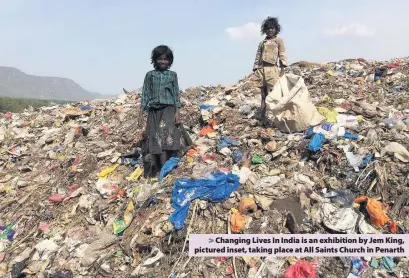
(309, 132)
(85, 107)
(226, 142)
(237, 156)
(351, 136)
(217, 189)
(169, 165)
(358, 266)
(368, 158)
(207, 107)
(316, 142)
(388, 264)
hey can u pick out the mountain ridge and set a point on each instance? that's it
(18, 84)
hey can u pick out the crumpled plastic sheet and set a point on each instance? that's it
(388, 264)
(207, 107)
(237, 156)
(217, 189)
(169, 165)
(301, 269)
(273, 267)
(238, 222)
(316, 142)
(351, 136)
(368, 158)
(17, 269)
(341, 220)
(358, 266)
(330, 115)
(344, 198)
(375, 209)
(399, 151)
(226, 142)
(85, 107)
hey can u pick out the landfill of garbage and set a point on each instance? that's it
(78, 198)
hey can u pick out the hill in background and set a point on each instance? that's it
(17, 84)
(16, 105)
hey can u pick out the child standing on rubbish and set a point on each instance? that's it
(161, 100)
(269, 51)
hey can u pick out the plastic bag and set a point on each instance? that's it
(342, 220)
(301, 269)
(290, 105)
(245, 109)
(358, 266)
(217, 189)
(375, 209)
(7, 232)
(368, 158)
(247, 206)
(56, 198)
(207, 107)
(399, 151)
(351, 136)
(316, 142)
(349, 120)
(85, 107)
(388, 264)
(107, 188)
(257, 160)
(237, 156)
(122, 224)
(393, 227)
(244, 174)
(226, 142)
(206, 130)
(345, 198)
(171, 164)
(353, 160)
(238, 222)
(104, 173)
(135, 174)
(330, 115)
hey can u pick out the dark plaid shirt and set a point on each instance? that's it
(160, 87)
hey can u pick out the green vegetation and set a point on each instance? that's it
(16, 105)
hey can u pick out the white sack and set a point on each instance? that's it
(290, 107)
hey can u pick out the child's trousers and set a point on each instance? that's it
(267, 76)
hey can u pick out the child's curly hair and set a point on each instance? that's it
(159, 51)
(268, 22)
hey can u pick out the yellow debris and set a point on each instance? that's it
(330, 115)
(326, 98)
(128, 215)
(104, 173)
(135, 175)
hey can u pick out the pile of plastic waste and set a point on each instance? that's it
(76, 200)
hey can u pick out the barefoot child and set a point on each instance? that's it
(269, 51)
(160, 98)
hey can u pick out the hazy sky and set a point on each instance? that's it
(105, 45)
